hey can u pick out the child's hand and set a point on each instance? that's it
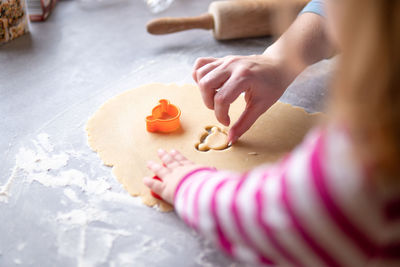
(173, 168)
(222, 80)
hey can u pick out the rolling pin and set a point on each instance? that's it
(229, 19)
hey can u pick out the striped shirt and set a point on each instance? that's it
(316, 207)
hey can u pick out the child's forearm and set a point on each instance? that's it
(304, 43)
(221, 205)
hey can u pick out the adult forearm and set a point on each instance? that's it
(304, 43)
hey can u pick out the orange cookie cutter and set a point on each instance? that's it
(164, 118)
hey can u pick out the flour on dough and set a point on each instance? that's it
(117, 132)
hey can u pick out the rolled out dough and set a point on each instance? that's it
(117, 132)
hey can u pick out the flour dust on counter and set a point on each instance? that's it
(85, 229)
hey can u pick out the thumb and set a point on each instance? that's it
(245, 121)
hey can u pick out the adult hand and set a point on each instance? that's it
(221, 80)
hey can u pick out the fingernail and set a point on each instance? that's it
(232, 139)
(225, 121)
(235, 138)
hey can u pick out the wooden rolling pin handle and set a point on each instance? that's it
(169, 25)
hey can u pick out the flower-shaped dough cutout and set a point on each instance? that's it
(213, 139)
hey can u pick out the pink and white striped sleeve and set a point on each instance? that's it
(314, 208)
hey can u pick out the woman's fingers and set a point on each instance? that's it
(200, 62)
(248, 117)
(180, 158)
(167, 159)
(227, 94)
(210, 83)
(206, 69)
(158, 169)
(155, 185)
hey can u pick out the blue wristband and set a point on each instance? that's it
(315, 6)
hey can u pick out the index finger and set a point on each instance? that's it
(225, 96)
(245, 121)
(200, 62)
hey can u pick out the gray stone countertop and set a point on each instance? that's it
(59, 206)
